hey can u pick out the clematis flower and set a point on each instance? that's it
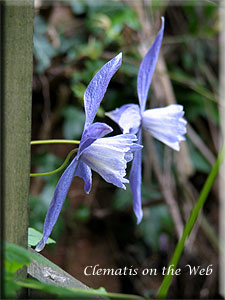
(165, 124)
(107, 156)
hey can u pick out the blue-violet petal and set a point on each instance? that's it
(135, 181)
(147, 68)
(83, 171)
(92, 133)
(97, 88)
(57, 202)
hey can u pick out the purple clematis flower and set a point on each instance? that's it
(107, 156)
(166, 124)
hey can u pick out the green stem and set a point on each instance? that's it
(41, 142)
(190, 223)
(57, 170)
(41, 286)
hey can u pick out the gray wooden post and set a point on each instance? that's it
(17, 43)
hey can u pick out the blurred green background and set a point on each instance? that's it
(72, 41)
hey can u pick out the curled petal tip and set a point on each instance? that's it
(139, 218)
(118, 59)
(176, 147)
(40, 246)
(124, 187)
(119, 56)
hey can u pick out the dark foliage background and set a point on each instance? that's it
(72, 40)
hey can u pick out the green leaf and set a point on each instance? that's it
(74, 293)
(15, 258)
(10, 288)
(20, 255)
(35, 236)
(14, 266)
(59, 292)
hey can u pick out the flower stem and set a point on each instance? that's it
(57, 170)
(41, 142)
(163, 290)
(29, 283)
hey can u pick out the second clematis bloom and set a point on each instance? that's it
(107, 156)
(165, 124)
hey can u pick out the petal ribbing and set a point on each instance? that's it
(147, 68)
(109, 156)
(57, 202)
(135, 181)
(97, 88)
(166, 124)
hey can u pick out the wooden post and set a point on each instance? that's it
(17, 53)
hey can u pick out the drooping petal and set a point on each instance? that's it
(135, 181)
(127, 117)
(115, 114)
(109, 156)
(83, 171)
(97, 88)
(147, 68)
(57, 202)
(92, 133)
(131, 119)
(166, 124)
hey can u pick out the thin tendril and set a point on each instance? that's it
(57, 170)
(41, 142)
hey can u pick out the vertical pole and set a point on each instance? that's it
(17, 43)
